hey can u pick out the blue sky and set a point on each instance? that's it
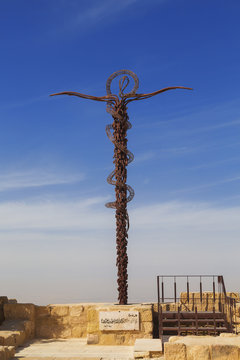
(57, 239)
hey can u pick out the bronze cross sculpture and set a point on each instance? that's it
(117, 133)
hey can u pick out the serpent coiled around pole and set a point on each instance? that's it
(117, 134)
(123, 119)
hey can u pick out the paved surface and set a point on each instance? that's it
(71, 349)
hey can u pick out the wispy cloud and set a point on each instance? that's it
(97, 12)
(215, 163)
(168, 152)
(76, 240)
(208, 185)
(148, 155)
(169, 132)
(53, 216)
(179, 151)
(36, 178)
(171, 216)
(210, 127)
(216, 113)
(23, 102)
(87, 216)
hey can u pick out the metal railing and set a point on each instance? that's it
(161, 289)
(212, 299)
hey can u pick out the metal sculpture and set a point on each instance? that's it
(117, 134)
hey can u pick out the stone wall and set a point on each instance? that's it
(61, 321)
(81, 321)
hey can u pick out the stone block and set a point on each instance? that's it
(141, 355)
(55, 327)
(238, 309)
(144, 336)
(147, 327)
(52, 327)
(76, 310)
(156, 354)
(78, 332)
(107, 339)
(154, 345)
(92, 339)
(42, 311)
(224, 352)
(13, 325)
(43, 332)
(12, 338)
(237, 320)
(20, 337)
(1, 341)
(7, 338)
(29, 328)
(174, 339)
(44, 327)
(24, 326)
(146, 315)
(92, 327)
(198, 352)
(19, 311)
(77, 320)
(140, 308)
(62, 320)
(130, 339)
(92, 315)
(59, 310)
(9, 351)
(2, 353)
(120, 339)
(61, 332)
(173, 351)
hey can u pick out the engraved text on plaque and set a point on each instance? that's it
(119, 320)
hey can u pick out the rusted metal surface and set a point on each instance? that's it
(117, 134)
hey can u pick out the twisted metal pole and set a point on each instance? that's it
(117, 134)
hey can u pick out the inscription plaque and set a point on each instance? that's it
(118, 320)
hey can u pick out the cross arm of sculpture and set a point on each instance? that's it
(130, 97)
(105, 98)
(146, 96)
